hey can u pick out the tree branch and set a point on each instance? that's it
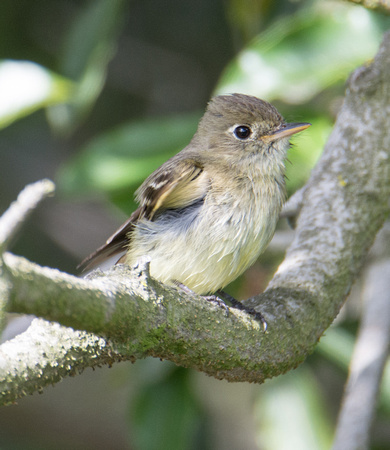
(45, 354)
(344, 205)
(18, 212)
(368, 361)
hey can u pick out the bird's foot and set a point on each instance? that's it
(217, 300)
(210, 298)
(238, 305)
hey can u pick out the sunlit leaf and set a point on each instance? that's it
(302, 54)
(291, 414)
(26, 87)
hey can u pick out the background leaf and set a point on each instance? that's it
(26, 87)
(302, 54)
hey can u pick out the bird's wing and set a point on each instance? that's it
(176, 184)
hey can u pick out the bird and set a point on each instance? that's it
(207, 213)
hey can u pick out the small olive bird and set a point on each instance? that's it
(207, 213)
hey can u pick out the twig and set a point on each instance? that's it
(19, 210)
(367, 363)
(294, 204)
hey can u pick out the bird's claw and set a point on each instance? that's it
(238, 305)
(217, 301)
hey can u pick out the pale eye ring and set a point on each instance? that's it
(242, 132)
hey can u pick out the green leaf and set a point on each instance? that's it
(165, 414)
(89, 46)
(291, 413)
(302, 54)
(26, 87)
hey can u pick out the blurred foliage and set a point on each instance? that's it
(165, 413)
(300, 55)
(124, 87)
(295, 404)
(94, 34)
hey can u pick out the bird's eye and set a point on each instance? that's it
(242, 132)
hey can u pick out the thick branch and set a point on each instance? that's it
(344, 206)
(45, 354)
(141, 315)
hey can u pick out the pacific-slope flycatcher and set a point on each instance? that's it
(208, 212)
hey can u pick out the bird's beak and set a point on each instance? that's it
(286, 129)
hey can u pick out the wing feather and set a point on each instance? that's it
(176, 184)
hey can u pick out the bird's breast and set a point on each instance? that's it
(209, 244)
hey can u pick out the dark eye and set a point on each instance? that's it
(242, 132)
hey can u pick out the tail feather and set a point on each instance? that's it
(116, 244)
